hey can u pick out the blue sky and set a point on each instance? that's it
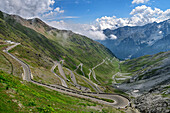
(90, 17)
(87, 11)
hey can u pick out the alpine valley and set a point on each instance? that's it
(44, 69)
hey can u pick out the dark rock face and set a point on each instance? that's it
(137, 41)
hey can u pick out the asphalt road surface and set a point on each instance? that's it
(119, 101)
(61, 70)
(61, 79)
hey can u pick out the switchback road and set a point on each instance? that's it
(63, 82)
(119, 101)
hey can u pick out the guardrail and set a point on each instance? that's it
(79, 92)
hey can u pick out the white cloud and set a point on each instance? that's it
(31, 8)
(49, 14)
(111, 22)
(113, 37)
(52, 14)
(54, 17)
(26, 8)
(83, 29)
(160, 32)
(141, 15)
(58, 10)
(68, 17)
(139, 1)
(146, 15)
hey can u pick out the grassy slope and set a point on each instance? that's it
(19, 96)
(141, 64)
(7, 63)
(109, 69)
(56, 44)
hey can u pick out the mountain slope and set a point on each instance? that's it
(147, 72)
(19, 96)
(147, 80)
(42, 44)
(133, 42)
(38, 50)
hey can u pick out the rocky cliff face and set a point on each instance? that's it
(137, 41)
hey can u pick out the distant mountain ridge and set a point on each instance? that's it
(137, 41)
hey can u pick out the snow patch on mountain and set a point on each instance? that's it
(139, 40)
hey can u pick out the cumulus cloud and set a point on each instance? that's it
(52, 14)
(83, 29)
(26, 8)
(143, 15)
(140, 15)
(139, 1)
(113, 37)
(58, 10)
(110, 22)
